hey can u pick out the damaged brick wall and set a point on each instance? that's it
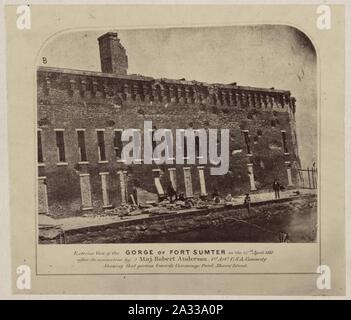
(73, 100)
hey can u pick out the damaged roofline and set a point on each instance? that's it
(150, 79)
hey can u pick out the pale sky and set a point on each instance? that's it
(263, 56)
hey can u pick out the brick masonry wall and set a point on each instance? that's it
(70, 100)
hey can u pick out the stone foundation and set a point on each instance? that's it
(148, 229)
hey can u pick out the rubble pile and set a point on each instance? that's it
(164, 206)
(123, 210)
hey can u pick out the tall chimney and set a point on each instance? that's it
(113, 55)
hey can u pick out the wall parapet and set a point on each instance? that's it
(148, 90)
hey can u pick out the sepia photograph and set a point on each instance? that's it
(198, 150)
(178, 135)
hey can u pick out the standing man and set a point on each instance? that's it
(215, 196)
(276, 188)
(247, 202)
(171, 192)
(135, 195)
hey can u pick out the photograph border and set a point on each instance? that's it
(188, 26)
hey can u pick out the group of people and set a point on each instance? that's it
(173, 196)
(216, 198)
(276, 188)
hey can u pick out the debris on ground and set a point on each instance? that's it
(51, 232)
(165, 206)
(159, 211)
(89, 215)
(121, 211)
(202, 204)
